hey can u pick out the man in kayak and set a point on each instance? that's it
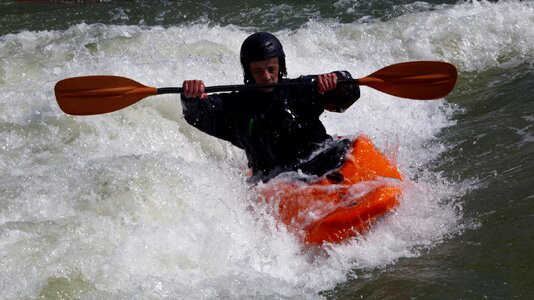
(279, 128)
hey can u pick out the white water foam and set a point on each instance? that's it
(137, 204)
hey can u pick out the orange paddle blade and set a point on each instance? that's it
(91, 95)
(419, 80)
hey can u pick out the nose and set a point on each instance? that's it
(266, 75)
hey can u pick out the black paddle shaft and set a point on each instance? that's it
(249, 87)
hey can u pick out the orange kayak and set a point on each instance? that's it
(328, 211)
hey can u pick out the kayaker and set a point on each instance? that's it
(278, 128)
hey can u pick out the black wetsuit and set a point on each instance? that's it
(280, 130)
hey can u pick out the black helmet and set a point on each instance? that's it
(262, 46)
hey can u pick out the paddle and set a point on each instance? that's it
(90, 95)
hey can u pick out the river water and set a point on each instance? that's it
(137, 204)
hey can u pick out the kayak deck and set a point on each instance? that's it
(328, 211)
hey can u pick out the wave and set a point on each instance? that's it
(139, 203)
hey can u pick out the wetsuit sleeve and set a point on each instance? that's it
(208, 115)
(339, 99)
(343, 96)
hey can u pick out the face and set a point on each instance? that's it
(265, 71)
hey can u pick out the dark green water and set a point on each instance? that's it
(273, 16)
(488, 149)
